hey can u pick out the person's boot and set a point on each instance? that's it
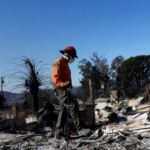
(84, 132)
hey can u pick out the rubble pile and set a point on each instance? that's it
(117, 126)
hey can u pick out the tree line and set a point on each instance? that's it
(131, 75)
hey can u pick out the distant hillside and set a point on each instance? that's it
(12, 97)
(75, 89)
(16, 97)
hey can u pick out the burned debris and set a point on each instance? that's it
(116, 121)
(124, 125)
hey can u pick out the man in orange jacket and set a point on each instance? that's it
(61, 77)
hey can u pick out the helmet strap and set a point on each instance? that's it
(66, 56)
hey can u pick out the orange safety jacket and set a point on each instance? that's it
(61, 72)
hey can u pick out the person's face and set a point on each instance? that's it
(71, 59)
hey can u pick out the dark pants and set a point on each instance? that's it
(63, 96)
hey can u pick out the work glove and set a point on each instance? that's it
(67, 84)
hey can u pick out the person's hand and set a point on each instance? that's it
(67, 84)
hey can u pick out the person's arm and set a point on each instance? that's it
(56, 73)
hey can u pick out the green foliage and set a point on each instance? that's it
(116, 63)
(134, 71)
(96, 69)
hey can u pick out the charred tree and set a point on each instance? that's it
(30, 75)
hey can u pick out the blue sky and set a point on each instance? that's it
(109, 27)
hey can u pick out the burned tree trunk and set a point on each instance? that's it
(35, 104)
(30, 74)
